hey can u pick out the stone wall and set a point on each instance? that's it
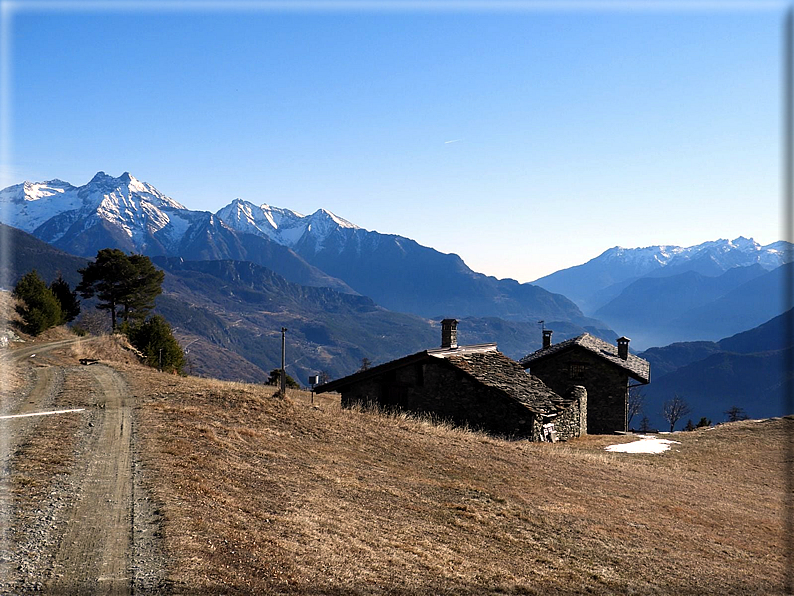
(444, 392)
(606, 385)
(439, 390)
(571, 423)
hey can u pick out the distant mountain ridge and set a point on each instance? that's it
(321, 250)
(690, 306)
(746, 370)
(593, 284)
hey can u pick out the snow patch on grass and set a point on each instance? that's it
(646, 444)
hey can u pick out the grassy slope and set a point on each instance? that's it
(267, 496)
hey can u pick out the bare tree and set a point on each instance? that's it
(736, 413)
(645, 425)
(675, 409)
(636, 401)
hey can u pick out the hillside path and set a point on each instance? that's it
(79, 539)
(94, 555)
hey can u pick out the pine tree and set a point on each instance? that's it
(143, 286)
(67, 298)
(40, 309)
(119, 281)
(106, 278)
(155, 339)
(735, 413)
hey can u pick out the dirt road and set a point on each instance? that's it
(94, 554)
(70, 502)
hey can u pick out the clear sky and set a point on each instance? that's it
(525, 139)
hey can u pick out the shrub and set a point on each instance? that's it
(154, 338)
(275, 379)
(39, 307)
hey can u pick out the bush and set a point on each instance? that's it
(40, 309)
(66, 297)
(275, 379)
(154, 338)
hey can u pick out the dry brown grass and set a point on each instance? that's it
(115, 349)
(7, 305)
(281, 497)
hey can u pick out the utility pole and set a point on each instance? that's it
(283, 362)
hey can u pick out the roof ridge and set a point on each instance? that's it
(639, 368)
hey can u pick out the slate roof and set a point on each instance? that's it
(635, 366)
(399, 363)
(496, 370)
(484, 364)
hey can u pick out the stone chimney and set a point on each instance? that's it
(623, 347)
(547, 338)
(449, 333)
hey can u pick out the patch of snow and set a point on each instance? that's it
(282, 225)
(178, 227)
(646, 444)
(26, 206)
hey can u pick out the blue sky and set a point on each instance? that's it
(574, 130)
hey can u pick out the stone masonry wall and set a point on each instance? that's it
(570, 423)
(441, 391)
(606, 385)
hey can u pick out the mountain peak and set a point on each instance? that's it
(100, 176)
(745, 243)
(324, 214)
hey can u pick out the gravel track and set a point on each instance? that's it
(88, 526)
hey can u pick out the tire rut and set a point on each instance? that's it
(94, 556)
(90, 526)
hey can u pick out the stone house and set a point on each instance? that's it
(605, 370)
(476, 386)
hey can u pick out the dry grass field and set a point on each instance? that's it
(259, 495)
(268, 496)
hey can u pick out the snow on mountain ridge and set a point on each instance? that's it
(665, 255)
(282, 225)
(135, 207)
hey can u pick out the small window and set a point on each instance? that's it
(577, 370)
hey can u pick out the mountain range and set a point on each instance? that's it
(235, 277)
(600, 280)
(228, 315)
(662, 294)
(747, 370)
(320, 250)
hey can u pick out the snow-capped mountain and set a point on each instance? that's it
(320, 249)
(395, 271)
(134, 213)
(720, 254)
(596, 282)
(282, 225)
(134, 216)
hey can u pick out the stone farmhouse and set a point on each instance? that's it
(474, 385)
(604, 369)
